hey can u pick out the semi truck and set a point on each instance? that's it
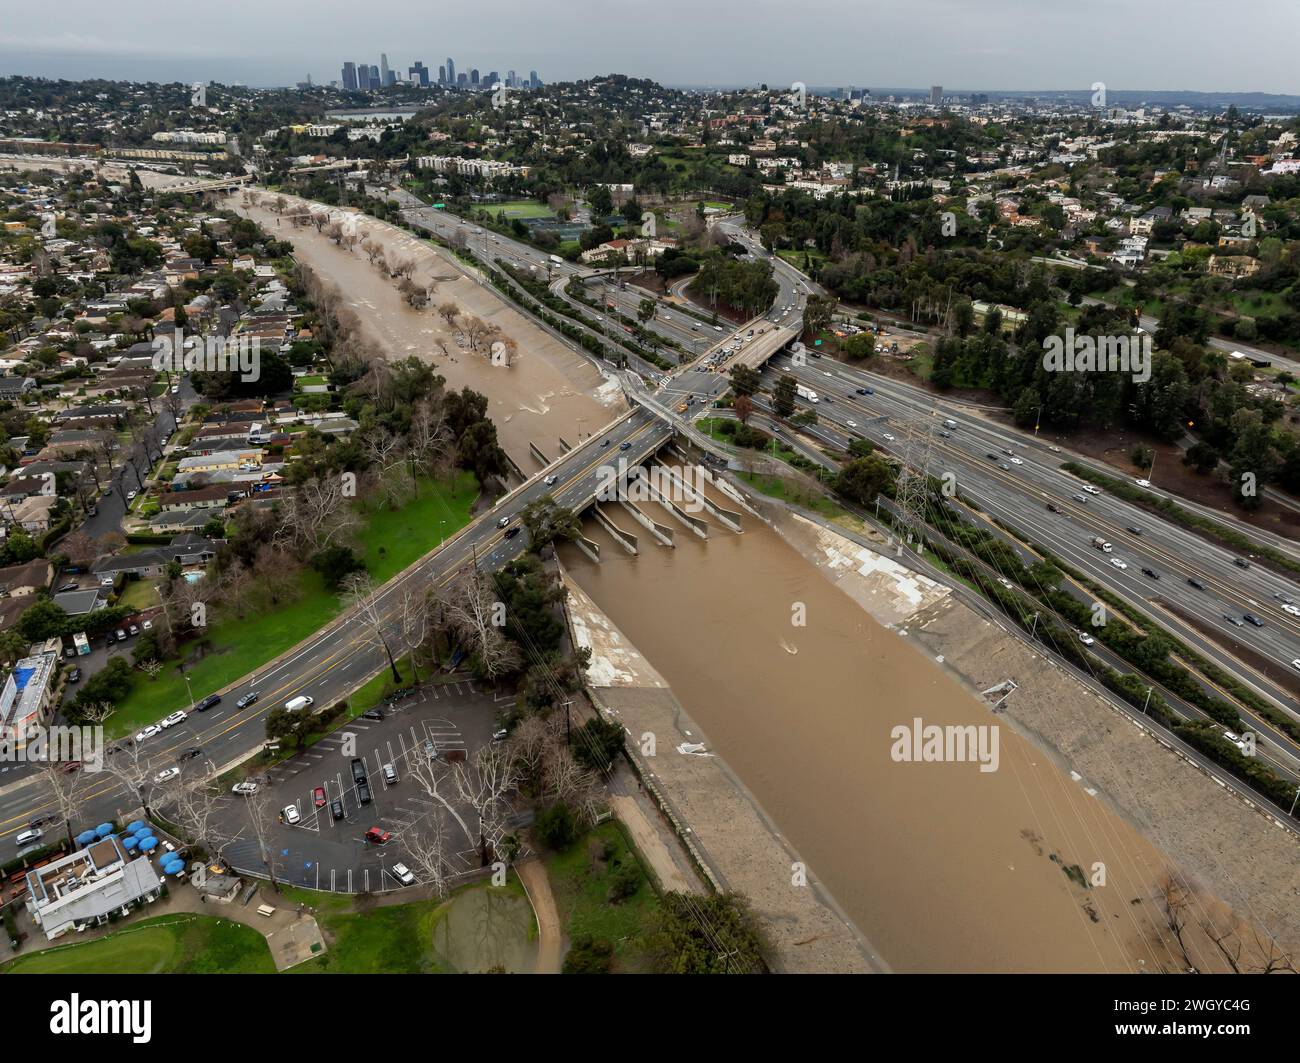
(806, 393)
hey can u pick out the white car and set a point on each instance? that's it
(550, 480)
(1292, 609)
(852, 424)
(248, 788)
(1143, 483)
(1119, 562)
(175, 718)
(403, 874)
(148, 732)
(888, 437)
(1086, 639)
(1296, 664)
(290, 814)
(130, 495)
(1092, 490)
(166, 773)
(1017, 461)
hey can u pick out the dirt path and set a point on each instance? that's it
(550, 938)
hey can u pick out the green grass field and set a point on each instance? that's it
(390, 541)
(581, 884)
(168, 944)
(395, 939)
(520, 208)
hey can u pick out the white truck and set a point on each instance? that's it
(806, 393)
(557, 260)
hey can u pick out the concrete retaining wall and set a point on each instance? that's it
(626, 539)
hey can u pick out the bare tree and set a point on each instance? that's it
(360, 597)
(426, 845)
(194, 809)
(130, 767)
(485, 785)
(316, 513)
(66, 789)
(475, 614)
(262, 817)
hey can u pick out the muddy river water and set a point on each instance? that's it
(942, 866)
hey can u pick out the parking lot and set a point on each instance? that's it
(322, 851)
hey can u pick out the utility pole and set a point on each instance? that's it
(1148, 702)
(1293, 801)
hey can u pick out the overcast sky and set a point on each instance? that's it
(961, 44)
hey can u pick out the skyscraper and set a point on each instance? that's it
(374, 76)
(419, 72)
(383, 69)
(442, 75)
(534, 82)
(473, 78)
(510, 79)
(451, 71)
(350, 76)
(936, 95)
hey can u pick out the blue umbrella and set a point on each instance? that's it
(104, 829)
(86, 837)
(149, 843)
(129, 844)
(137, 826)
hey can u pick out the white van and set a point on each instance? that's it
(294, 704)
(28, 836)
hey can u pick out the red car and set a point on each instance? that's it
(318, 796)
(377, 835)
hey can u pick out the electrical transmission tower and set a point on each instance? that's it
(912, 489)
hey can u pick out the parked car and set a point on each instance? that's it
(180, 716)
(148, 732)
(290, 814)
(403, 874)
(207, 703)
(132, 629)
(246, 788)
(318, 797)
(373, 714)
(377, 836)
(336, 808)
(390, 774)
(74, 676)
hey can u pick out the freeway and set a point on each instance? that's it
(336, 660)
(1022, 477)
